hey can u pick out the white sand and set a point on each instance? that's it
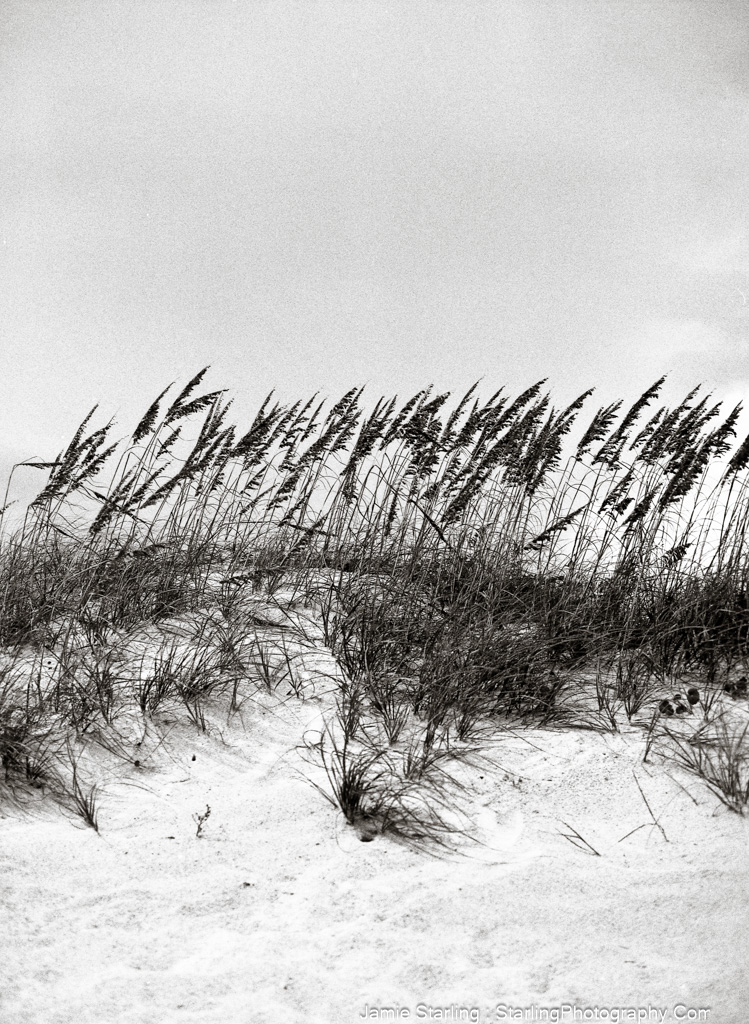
(278, 913)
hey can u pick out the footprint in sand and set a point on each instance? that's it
(497, 833)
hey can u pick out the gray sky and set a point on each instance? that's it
(320, 195)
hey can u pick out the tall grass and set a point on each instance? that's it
(468, 563)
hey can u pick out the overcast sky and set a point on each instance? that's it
(312, 196)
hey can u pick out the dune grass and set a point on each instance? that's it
(467, 566)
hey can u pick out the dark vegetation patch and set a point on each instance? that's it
(467, 568)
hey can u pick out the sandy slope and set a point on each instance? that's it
(278, 913)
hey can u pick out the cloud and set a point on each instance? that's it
(726, 254)
(669, 339)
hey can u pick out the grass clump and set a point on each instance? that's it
(717, 753)
(468, 566)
